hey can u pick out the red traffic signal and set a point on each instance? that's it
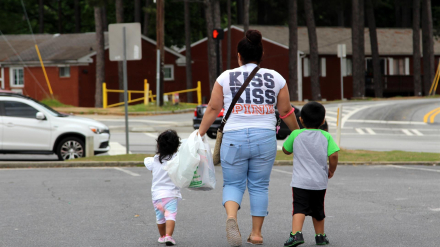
(218, 34)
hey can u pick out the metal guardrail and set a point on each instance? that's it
(148, 95)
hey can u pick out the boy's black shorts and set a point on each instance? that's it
(309, 202)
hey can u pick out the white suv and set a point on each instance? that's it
(28, 126)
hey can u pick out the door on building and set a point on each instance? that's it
(22, 131)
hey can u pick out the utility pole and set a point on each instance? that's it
(160, 21)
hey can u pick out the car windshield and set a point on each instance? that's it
(50, 110)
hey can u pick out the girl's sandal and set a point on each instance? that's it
(256, 242)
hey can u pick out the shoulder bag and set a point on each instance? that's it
(218, 141)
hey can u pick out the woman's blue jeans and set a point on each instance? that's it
(247, 157)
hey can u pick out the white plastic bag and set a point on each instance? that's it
(181, 168)
(204, 176)
(192, 167)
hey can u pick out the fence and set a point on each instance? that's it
(148, 95)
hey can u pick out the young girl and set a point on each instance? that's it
(165, 194)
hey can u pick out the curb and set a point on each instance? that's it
(367, 163)
(79, 113)
(61, 164)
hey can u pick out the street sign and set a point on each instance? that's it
(342, 54)
(132, 38)
(341, 50)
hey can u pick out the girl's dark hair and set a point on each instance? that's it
(167, 144)
(251, 47)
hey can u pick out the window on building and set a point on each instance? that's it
(64, 71)
(18, 109)
(17, 77)
(346, 67)
(323, 67)
(168, 72)
(306, 67)
(399, 66)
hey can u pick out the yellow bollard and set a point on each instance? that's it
(199, 93)
(104, 95)
(146, 90)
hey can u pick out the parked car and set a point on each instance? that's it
(28, 126)
(212, 132)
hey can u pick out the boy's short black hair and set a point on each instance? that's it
(313, 114)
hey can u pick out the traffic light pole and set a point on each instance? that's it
(217, 51)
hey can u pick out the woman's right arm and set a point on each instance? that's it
(284, 108)
(215, 105)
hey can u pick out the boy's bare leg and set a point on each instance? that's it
(257, 224)
(161, 228)
(319, 226)
(231, 209)
(298, 222)
(170, 227)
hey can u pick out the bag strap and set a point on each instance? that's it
(237, 96)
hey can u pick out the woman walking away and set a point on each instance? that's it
(249, 144)
(165, 194)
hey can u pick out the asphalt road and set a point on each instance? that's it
(369, 125)
(365, 206)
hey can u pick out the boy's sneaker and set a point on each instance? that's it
(169, 241)
(294, 240)
(321, 239)
(161, 240)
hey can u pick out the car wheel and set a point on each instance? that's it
(212, 134)
(71, 148)
(281, 137)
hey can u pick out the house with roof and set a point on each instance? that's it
(395, 50)
(70, 62)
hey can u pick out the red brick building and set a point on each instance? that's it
(70, 59)
(395, 49)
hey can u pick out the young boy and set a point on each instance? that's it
(311, 147)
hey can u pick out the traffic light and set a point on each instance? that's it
(218, 34)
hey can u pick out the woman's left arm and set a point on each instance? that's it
(215, 105)
(284, 108)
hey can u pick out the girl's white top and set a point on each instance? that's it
(256, 106)
(162, 186)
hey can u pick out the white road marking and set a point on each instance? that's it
(360, 131)
(435, 209)
(407, 132)
(415, 168)
(370, 131)
(346, 117)
(384, 122)
(117, 149)
(278, 170)
(279, 147)
(151, 135)
(417, 132)
(328, 118)
(126, 171)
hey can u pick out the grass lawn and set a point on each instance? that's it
(344, 156)
(365, 156)
(152, 107)
(54, 103)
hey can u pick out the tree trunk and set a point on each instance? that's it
(146, 18)
(406, 13)
(211, 44)
(246, 16)
(416, 49)
(41, 16)
(60, 17)
(341, 17)
(217, 24)
(189, 84)
(313, 46)
(119, 6)
(137, 11)
(160, 40)
(228, 59)
(397, 12)
(358, 70)
(104, 18)
(293, 50)
(362, 47)
(240, 10)
(428, 45)
(77, 17)
(100, 62)
(378, 89)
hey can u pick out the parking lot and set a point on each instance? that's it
(365, 206)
